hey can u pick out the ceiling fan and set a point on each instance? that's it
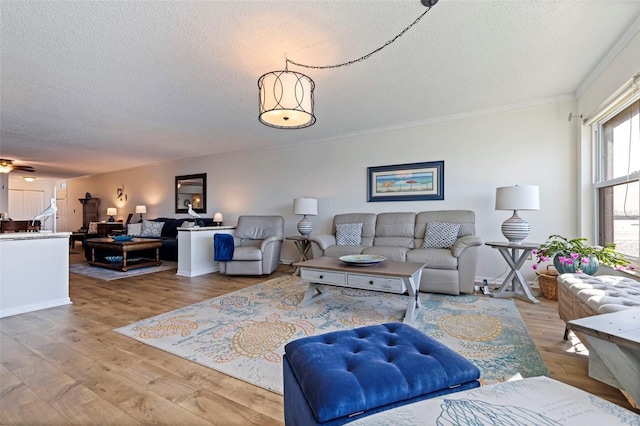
(7, 165)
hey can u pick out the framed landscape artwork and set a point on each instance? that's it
(406, 182)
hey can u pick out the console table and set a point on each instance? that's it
(195, 249)
(515, 285)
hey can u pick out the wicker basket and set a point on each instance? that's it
(548, 283)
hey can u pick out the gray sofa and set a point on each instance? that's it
(400, 236)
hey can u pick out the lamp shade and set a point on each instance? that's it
(519, 197)
(217, 217)
(286, 100)
(141, 209)
(112, 211)
(305, 206)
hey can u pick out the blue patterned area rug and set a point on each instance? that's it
(111, 274)
(243, 333)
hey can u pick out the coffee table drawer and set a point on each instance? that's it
(324, 277)
(370, 282)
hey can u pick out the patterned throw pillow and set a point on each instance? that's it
(93, 228)
(151, 229)
(440, 235)
(349, 234)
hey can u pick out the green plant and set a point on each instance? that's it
(577, 252)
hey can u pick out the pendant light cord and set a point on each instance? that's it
(365, 57)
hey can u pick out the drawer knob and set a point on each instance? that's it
(321, 276)
(370, 282)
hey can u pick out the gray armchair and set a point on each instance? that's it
(257, 245)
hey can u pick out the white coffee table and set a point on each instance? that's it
(387, 276)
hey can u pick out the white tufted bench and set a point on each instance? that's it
(581, 295)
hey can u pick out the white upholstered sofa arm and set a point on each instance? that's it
(463, 243)
(270, 240)
(324, 241)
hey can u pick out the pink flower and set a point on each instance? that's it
(585, 260)
(535, 266)
(575, 255)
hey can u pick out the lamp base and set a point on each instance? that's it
(305, 226)
(515, 229)
(140, 218)
(111, 219)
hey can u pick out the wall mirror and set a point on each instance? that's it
(191, 189)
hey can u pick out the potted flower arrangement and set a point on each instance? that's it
(576, 256)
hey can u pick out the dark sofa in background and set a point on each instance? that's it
(169, 237)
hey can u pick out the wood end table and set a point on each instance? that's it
(125, 247)
(304, 247)
(514, 285)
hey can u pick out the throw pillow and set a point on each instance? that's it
(151, 229)
(93, 228)
(349, 234)
(440, 235)
(134, 229)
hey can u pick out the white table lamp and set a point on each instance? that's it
(141, 210)
(111, 212)
(305, 207)
(519, 197)
(217, 219)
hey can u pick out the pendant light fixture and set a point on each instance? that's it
(286, 97)
(286, 100)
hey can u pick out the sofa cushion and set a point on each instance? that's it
(134, 228)
(395, 229)
(259, 227)
(440, 235)
(398, 254)
(247, 253)
(337, 251)
(434, 258)
(151, 229)
(170, 227)
(349, 234)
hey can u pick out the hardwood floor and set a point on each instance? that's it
(65, 365)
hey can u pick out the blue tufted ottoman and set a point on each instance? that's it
(334, 378)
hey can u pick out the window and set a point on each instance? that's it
(617, 187)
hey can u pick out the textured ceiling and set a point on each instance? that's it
(88, 87)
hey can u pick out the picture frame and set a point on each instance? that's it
(406, 182)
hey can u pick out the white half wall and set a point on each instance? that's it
(533, 146)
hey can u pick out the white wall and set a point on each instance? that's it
(534, 145)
